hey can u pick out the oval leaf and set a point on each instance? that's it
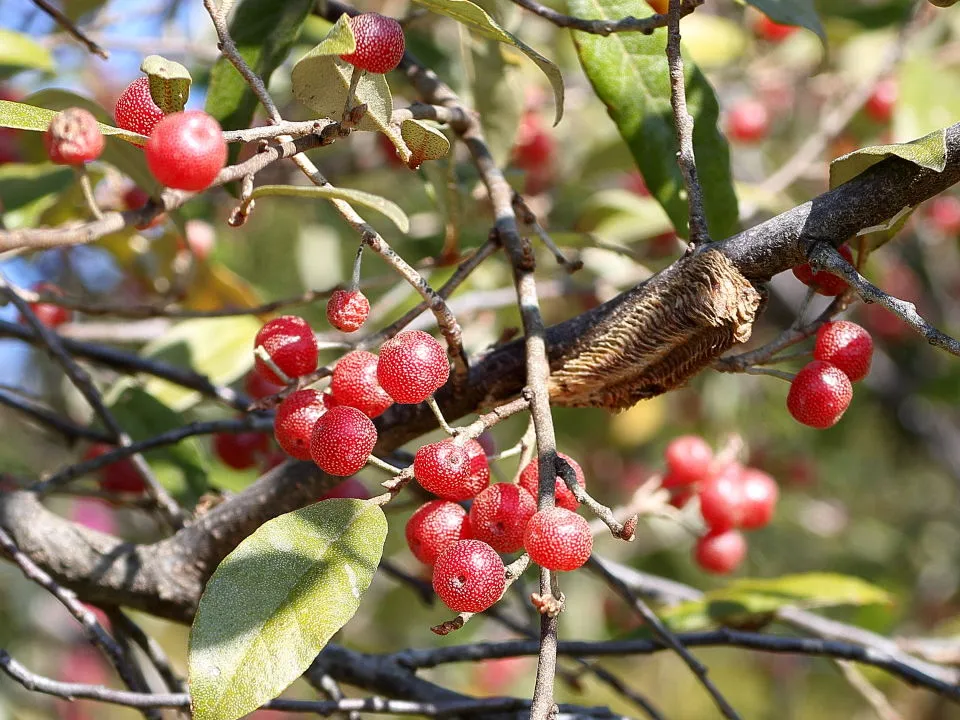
(339, 40)
(275, 602)
(321, 82)
(792, 12)
(169, 83)
(21, 116)
(21, 52)
(383, 206)
(424, 142)
(929, 152)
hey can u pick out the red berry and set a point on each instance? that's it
(118, 477)
(443, 468)
(499, 516)
(469, 576)
(722, 498)
(478, 467)
(258, 387)
(412, 366)
(240, 450)
(535, 147)
(273, 459)
(720, 552)
(748, 121)
(73, 137)
(819, 395)
(343, 439)
(50, 315)
(136, 199)
(354, 383)
(434, 527)
(558, 539)
(773, 31)
(681, 496)
(347, 310)
(186, 150)
(688, 460)
(760, 494)
(351, 488)
(846, 345)
(135, 110)
(530, 481)
(944, 213)
(881, 103)
(294, 421)
(290, 343)
(823, 282)
(380, 43)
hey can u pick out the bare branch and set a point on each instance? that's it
(604, 27)
(68, 25)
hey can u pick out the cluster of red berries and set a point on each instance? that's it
(464, 548)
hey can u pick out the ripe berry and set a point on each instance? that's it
(720, 552)
(469, 576)
(773, 31)
(240, 450)
(186, 150)
(478, 467)
(50, 315)
(354, 383)
(819, 395)
(688, 460)
(558, 539)
(760, 494)
(135, 110)
(722, 498)
(846, 345)
(530, 481)
(380, 43)
(499, 516)
(347, 310)
(351, 488)
(118, 477)
(294, 421)
(342, 441)
(881, 103)
(258, 387)
(434, 527)
(748, 121)
(823, 282)
(290, 343)
(944, 213)
(535, 146)
(73, 137)
(412, 366)
(443, 468)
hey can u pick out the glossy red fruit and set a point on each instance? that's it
(258, 387)
(434, 527)
(349, 489)
(688, 459)
(291, 344)
(469, 576)
(342, 441)
(944, 214)
(354, 383)
(135, 110)
(186, 150)
(760, 495)
(240, 450)
(412, 366)
(380, 43)
(722, 498)
(823, 282)
(443, 469)
(117, 477)
(50, 315)
(846, 345)
(73, 137)
(558, 539)
(499, 516)
(347, 310)
(530, 481)
(748, 121)
(819, 395)
(720, 552)
(478, 467)
(773, 31)
(295, 419)
(881, 103)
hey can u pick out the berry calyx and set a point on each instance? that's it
(823, 282)
(720, 552)
(295, 419)
(240, 450)
(443, 468)
(881, 103)
(412, 366)
(819, 395)
(135, 110)
(342, 440)
(748, 121)
(117, 477)
(469, 576)
(688, 459)
(434, 527)
(846, 345)
(771, 30)
(380, 43)
(290, 343)
(347, 310)
(73, 137)
(722, 499)
(186, 150)
(50, 315)
(760, 493)
(558, 539)
(530, 481)
(354, 383)
(499, 516)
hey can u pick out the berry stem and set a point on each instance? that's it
(756, 370)
(87, 190)
(354, 82)
(624, 531)
(383, 465)
(355, 274)
(261, 352)
(432, 404)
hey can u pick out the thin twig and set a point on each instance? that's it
(51, 419)
(68, 25)
(603, 27)
(876, 699)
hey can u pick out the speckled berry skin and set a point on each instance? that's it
(720, 552)
(823, 282)
(117, 477)
(354, 383)
(434, 527)
(294, 421)
(413, 365)
(499, 516)
(73, 137)
(558, 539)
(760, 495)
(722, 499)
(240, 450)
(342, 441)
(689, 459)
(186, 150)
(819, 395)
(135, 110)
(290, 343)
(442, 468)
(846, 345)
(347, 310)
(529, 481)
(478, 468)
(469, 576)
(380, 43)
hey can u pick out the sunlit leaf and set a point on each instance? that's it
(21, 52)
(169, 82)
(321, 82)
(928, 152)
(423, 141)
(383, 206)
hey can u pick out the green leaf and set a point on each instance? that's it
(339, 40)
(23, 116)
(328, 192)
(22, 184)
(497, 97)
(21, 52)
(928, 152)
(321, 82)
(275, 602)
(169, 83)
(629, 73)
(474, 17)
(424, 142)
(792, 12)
